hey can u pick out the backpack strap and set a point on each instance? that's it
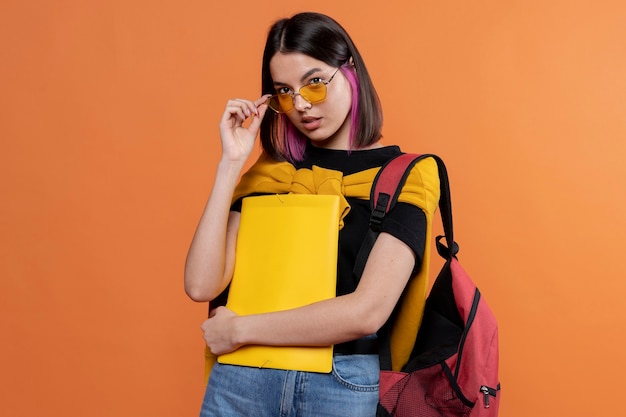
(384, 194)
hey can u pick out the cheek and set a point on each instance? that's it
(342, 98)
(341, 107)
(291, 116)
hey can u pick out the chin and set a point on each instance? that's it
(329, 143)
(315, 136)
(322, 138)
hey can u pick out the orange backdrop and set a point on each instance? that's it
(108, 128)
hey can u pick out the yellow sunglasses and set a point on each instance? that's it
(313, 93)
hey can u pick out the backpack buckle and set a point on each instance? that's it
(378, 213)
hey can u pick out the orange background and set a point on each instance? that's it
(108, 128)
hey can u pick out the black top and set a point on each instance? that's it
(406, 222)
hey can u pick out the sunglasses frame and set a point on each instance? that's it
(293, 95)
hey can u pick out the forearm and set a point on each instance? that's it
(320, 324)
(340, 319)
(207, 265)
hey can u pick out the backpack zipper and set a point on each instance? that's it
(486, 393)
(470, 320)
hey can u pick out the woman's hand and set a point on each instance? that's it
(237, 139)
(219, 331)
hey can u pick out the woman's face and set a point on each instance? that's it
(326, 124)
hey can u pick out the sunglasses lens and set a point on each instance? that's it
(314, 93)
(280, 103)
(285, 101)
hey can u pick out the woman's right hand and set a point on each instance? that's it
(237, 139)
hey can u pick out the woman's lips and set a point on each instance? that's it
(311, 123)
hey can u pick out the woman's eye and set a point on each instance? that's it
(283, 90)
(316, 80)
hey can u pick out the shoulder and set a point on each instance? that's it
(265, 175)
(422, 186)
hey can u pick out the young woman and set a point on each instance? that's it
(319, 109)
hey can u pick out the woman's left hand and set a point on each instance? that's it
(219, 331)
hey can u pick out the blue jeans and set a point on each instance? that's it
(351, 389)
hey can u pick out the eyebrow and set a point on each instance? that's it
(303, 78)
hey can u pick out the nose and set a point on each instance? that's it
(300, 103)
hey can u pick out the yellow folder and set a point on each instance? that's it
(286, 257)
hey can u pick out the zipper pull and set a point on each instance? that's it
(485, 390)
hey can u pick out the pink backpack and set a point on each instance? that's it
(453, 367)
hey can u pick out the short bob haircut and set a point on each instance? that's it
(322, 38)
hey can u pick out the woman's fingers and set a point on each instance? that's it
(237, 110)
(247, 107)
(261, 100)
(261, 108)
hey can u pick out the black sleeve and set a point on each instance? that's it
(236, 206)
(408, 223)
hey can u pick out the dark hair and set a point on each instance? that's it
(322, 38)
